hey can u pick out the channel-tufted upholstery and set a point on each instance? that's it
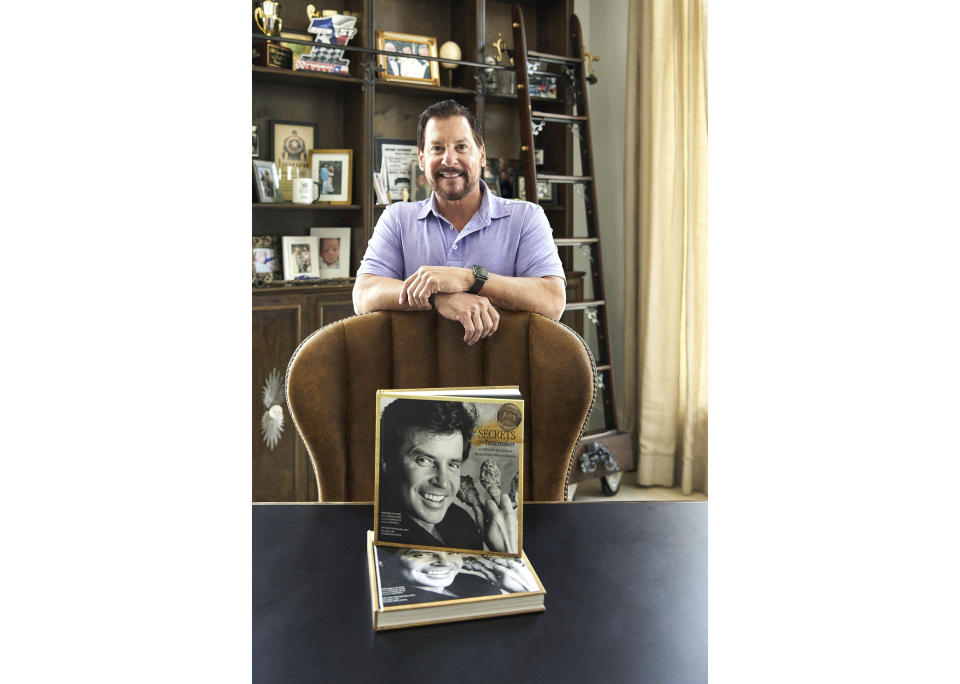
(334, 374)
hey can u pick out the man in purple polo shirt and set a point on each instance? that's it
(463, 250)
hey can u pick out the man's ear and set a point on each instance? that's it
(420, 158)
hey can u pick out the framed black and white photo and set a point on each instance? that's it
(394, 159)
(491, 175)
(332, 170)
(266, 181)
(421, 186)
(266, 259)
(407, 64)
(546, 192)
(333, 248)
(300, 257)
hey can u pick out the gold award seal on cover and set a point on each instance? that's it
(508, 416)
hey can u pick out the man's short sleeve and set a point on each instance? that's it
(537, 253)
(384, 256)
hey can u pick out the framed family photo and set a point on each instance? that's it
(333, 247)
(266, 181)
(300, 258)
(332, 170)
(408, 66)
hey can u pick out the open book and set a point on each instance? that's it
(450, 470)
(410, 586)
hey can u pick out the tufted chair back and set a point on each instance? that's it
(334, 375)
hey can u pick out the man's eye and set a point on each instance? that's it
(424, 461)
(461, 147)
(455, 465)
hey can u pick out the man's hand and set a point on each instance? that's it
(498, 524)
(474, 312)
(428, 280)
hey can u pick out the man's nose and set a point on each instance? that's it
(447, 157)
(441, 477)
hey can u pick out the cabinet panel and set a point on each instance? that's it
(281, 470)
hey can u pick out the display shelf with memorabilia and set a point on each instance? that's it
(350, 110)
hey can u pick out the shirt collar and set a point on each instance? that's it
(491, 207)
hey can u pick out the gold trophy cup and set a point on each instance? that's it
(271, 54)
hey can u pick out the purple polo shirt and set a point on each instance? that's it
(507, 237)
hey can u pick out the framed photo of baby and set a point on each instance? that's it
(334, 251)
(407, 64)
(332, 170)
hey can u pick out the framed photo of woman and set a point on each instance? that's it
(409, 65)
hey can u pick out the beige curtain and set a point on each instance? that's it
(665, 241)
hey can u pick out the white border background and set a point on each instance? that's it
(833, 347)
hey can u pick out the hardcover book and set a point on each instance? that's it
(410, 586)
(449, 471)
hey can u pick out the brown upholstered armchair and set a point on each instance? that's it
(334, 374)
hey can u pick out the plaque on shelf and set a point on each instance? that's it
(272, 55)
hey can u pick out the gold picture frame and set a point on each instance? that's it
(408, 66)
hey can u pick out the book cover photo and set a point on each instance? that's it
(450, 471)
(410, 586)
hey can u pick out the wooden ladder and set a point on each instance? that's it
(531, 121)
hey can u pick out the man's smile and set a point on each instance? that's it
(432, 498)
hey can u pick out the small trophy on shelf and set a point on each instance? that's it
(271, 54)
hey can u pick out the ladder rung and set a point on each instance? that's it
(555, 59)
(560, 242)
(604, 367)
(577, 306)
(547, 116)
(550, 178)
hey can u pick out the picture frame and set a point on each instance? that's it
(407, 66)
(300, 257)
(420, 186)
(333, 170)
(543, 85)
(265, 263)
(395, 158)
(491, 175)
(256, 142)
(266, 180)
(546, 192)
(509, 170)
(290, 145)
(326, 249)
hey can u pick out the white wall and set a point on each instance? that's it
(604, 24)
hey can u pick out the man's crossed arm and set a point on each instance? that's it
(477, 313)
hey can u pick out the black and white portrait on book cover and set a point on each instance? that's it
(411, 576)
(450, 474)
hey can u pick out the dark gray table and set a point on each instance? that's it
(626, 601)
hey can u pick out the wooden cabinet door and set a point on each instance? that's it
(281, 467)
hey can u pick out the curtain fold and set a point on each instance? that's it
(665, 242)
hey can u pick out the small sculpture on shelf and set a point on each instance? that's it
(450, 50)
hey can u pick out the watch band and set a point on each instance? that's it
(479, 278)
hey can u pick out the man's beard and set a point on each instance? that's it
(468, 186)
